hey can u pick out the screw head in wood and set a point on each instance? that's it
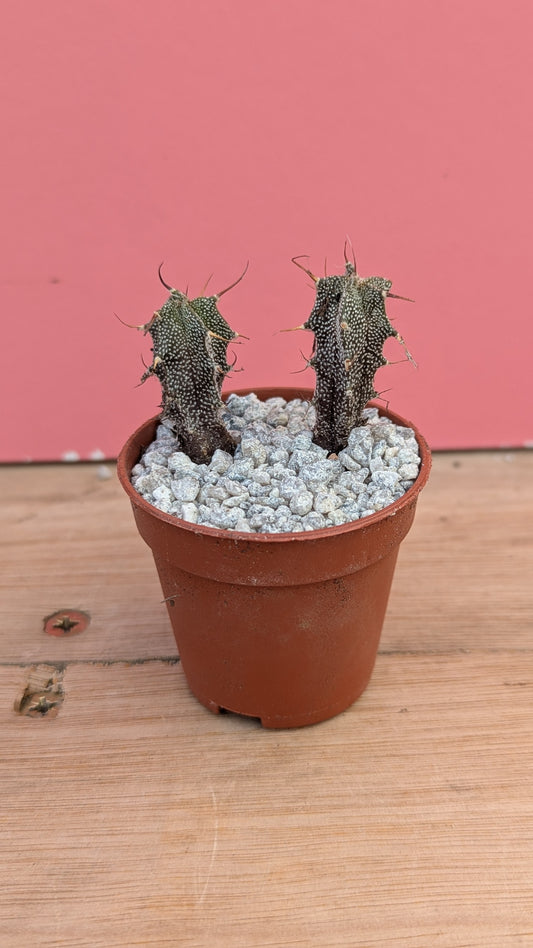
(66, 622)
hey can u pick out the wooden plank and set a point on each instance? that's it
(135, 817)
(132, 816)
(71, 542)
(463, 577)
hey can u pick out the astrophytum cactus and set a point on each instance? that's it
(350, 327)
(189, 345)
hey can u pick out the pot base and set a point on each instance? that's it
(280, 722)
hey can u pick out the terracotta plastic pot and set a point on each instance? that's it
(281, 627)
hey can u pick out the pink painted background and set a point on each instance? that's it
(211, 132)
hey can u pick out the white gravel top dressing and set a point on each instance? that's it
(279, 481)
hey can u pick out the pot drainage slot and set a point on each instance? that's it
(239, 714)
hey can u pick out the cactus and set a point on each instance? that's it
(190, 340)
(350, 326)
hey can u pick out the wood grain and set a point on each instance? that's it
(135, 817)
(72, 542)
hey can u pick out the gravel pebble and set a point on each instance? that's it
(178, 463)
(386, 480)
(189, 512)
(408, 472)
(220, 462)
(314, 521)
(163, 498)
(348, 461)
(279, 481)
(291, 485)
(301, 502)
(186, 488)
(326, 501)
(253, 449)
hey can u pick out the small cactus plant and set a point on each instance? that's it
(190, 340)
(350, 326)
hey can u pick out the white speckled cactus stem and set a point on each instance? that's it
(190, 375)
(350, 326)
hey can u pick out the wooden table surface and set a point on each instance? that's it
(133, 816)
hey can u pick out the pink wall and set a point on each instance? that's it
(205, 133)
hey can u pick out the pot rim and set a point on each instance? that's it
(264, 393)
